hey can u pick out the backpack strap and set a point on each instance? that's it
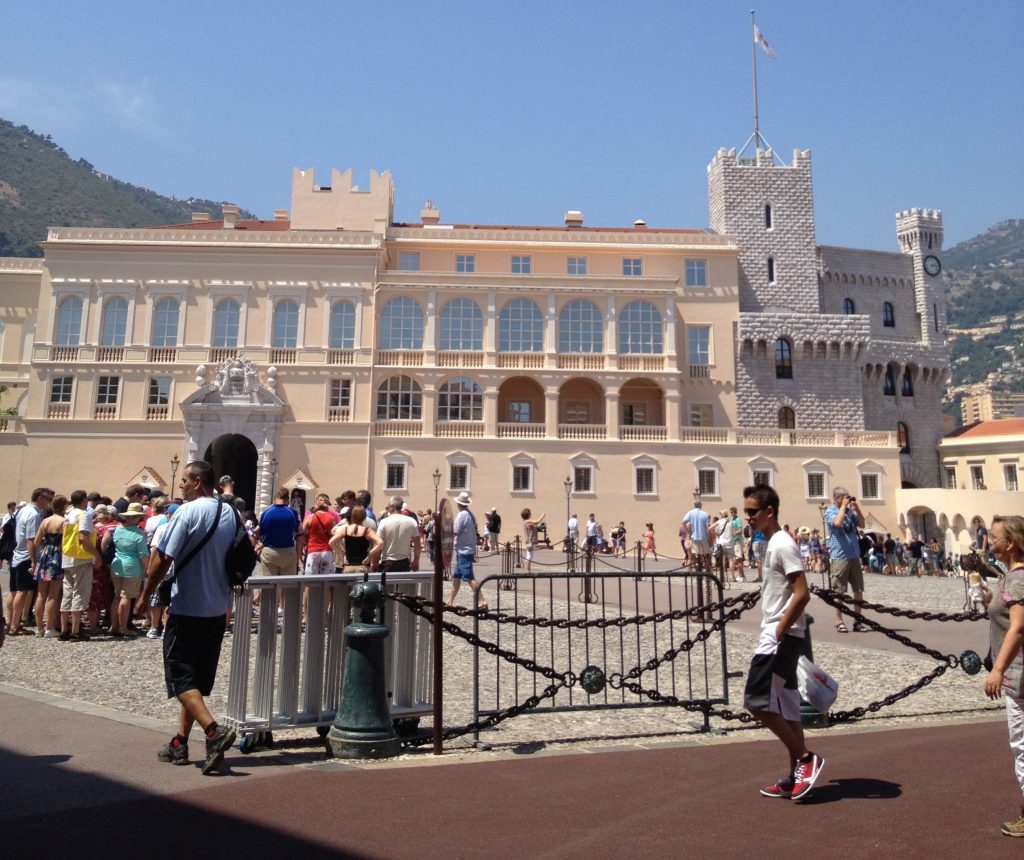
(195, 551)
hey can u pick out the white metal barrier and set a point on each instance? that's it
(288, 674)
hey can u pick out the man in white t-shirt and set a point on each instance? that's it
(771, 692)
(401, 536)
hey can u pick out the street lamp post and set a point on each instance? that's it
(437, 484)
(175, 462)
(567, 484)
(822, 507)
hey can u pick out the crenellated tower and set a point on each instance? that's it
(919, 232)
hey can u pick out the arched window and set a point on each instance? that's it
(520, 327)
(640, 329)
(787, 418)
(286, 325)
(115, 321)
(460, 399)
(849, 307)
(903, 437)
(399, 398)
(889, 383)
(343, 326)
(783, 359)
(69, 322)
(771, 270)
(462, 325)
(165, 323)
(580, 328)
(888, 315)
(401, 325)
(907, 385)
(225, 324)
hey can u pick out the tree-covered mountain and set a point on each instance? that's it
(985, 276)
(41, 186)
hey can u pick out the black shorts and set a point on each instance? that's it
(191, 651)
(21, 577)
(398, 565)
(758, 693)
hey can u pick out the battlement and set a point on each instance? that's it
(919, 229)
(727, 158)
(341, 205)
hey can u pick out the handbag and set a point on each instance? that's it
(817, 687)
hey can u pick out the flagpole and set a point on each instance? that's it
(753, 59)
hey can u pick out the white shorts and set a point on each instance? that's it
(319, 563)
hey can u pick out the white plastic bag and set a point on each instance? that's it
(817, 687)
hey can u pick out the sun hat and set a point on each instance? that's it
(463, 499)
(135, 511)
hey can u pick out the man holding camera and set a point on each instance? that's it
(844, 517)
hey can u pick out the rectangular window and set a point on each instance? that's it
(577, 412)
(583, 479)
(698, 344)
(707, 482)
(701, 415)
(977, 477)
(869, 486)
(645, 480)
(762, 476)
(394, 479)
(521, 264)
(576, 266)
(632, 267)
(458, 476)
(341, 393)
(519, 411)
(522, 479)
(465, 263)
(1010, 476)
(60, 389)
(159, 391)
(771, 270)
(409, 262)
(634, 414)
(696, 273)
(950, 477)
(107, 389)
(815, 485)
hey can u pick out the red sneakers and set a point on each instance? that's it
(783, 788)
(805, 775)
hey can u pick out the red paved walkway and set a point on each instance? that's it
(75, 785)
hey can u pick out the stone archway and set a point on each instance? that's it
(235, 455)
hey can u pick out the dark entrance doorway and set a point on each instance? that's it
(236, 456)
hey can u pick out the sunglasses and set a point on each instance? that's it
(752, 512)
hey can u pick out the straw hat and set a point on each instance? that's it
(463, 499)
(135, 511)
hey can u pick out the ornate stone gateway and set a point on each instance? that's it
(236, 420)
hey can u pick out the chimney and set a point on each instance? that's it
(574, 218)
(430, 214)
(230, 215)
(200, 217)
(639, 224)
(280, 214)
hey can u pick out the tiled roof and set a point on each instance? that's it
(996, 427)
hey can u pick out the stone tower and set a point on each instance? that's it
(919, 232)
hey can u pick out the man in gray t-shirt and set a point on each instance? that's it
(26, 524)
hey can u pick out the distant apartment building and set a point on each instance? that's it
(982, 403)
(621, 370)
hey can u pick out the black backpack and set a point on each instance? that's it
(241, 558)
(7, 539)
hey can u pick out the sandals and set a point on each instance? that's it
(842, 628)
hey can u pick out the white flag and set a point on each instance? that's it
(759, 39)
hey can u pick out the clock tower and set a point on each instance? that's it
(919, 232)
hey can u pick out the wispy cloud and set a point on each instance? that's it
(133, 104)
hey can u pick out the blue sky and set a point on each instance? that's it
(514, 112)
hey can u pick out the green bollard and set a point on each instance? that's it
(809, 717)
(362, 727)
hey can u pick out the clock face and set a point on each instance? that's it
(932, 265)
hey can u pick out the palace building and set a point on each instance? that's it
(619, 370)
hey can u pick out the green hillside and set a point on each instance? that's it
(41, 186)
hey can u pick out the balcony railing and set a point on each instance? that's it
(400, 357)
(582, 431)
(641, 362)
(341, 356)
(158, 413)
(110, 353)
(460, 359)
(704, 435)
(339, 414)
(63, 353)
(525, 360)
(163, 355)
(643, 433)
(700, 371)
(284, 355)
(589, 361)
(521, 430)
(59, 411)
(223, 353)
(398, 428)
(459, 429)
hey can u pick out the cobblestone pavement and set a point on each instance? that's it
(127, 675)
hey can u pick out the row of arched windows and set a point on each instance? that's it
(889, 383)
(888, 312)
(521, 327)
(401, 398)
(226, 321)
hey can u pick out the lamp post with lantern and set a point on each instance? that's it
(175, 462)
(437, 484)
(567, 485)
